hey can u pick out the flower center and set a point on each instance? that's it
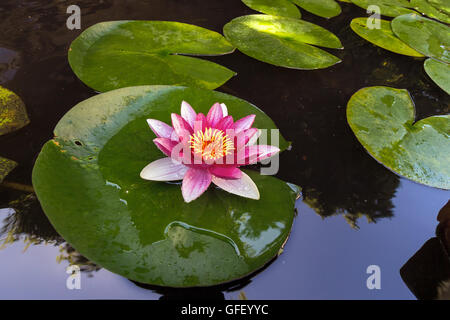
(211, 144)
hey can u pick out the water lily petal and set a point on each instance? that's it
(224, 109)
(165, 145)
(226, 172)
(244, 187)
(161, 129)
(225, 123)
(243, 137)
(188, 113)
(165, 169)
(215, 114)
(181, 127)
(254, 138)
(255, 153)
(200, 122)
(195, 182)
(244, 123)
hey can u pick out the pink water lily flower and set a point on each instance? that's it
(203, 149)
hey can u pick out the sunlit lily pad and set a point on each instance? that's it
(383, 120)
(383, 37)
(112, 55)
(13, 114)
(322, 8)
(439, 72)
(6, 166)
(429, 37)
(436, 9)
(283, 41)
(389, 8)
(282, 8)
(87, 180)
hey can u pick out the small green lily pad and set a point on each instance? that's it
(282, 41)
(436, 9)
(282, 8)
(383, 120)
(439, 72)
(388, 8)
(427, 36)
(112, 55)
(87, 180)
(382, 37)
(322, 8)
(13, 114)
(6, 166)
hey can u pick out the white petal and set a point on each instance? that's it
(224, 109)
(244, 187)
(188, 113)
(254, 139)
(165, 169)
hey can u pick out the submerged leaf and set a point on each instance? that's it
(143, 230)
(382, 37)
(6, 166)
(112, 55)
(283, 41)
(13, 115)
(439, 72)
(383, 120)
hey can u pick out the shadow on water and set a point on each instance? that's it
(337, 176)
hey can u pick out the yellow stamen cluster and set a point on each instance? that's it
(211, 144)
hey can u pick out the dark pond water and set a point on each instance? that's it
(354, 213)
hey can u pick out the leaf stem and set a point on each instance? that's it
(17, 186)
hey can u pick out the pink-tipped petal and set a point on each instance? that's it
(243, 137)
(165, 145)
(188, 113)
(181, 127)
(164, 169)
(224, 109)
(225, 123)
(244, 123)
(255, 153)
(244, 187)
(215, 114)
(161, 129)
(200, 122)
(226, 172)
(255, 138)
(195, 182)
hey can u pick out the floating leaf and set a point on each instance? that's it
(389, 8)
(382, 37)
(111, 55)
(439, 72)
(87, 180)
(283, 8)
(434, 9)
(6, 166)
(13, 115)
(283, 41)
(322, 8)
(383, 120)
(429, 37)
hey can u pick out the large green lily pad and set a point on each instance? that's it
(13, 114)
(389, 8)
(6, 166)
(282, 8)
(112, 55)
(383, 120)
(87, 180)
(382, 37)
(436, 9)
(322, 8)
(439, 72)
(427, 36)
(283, 41)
